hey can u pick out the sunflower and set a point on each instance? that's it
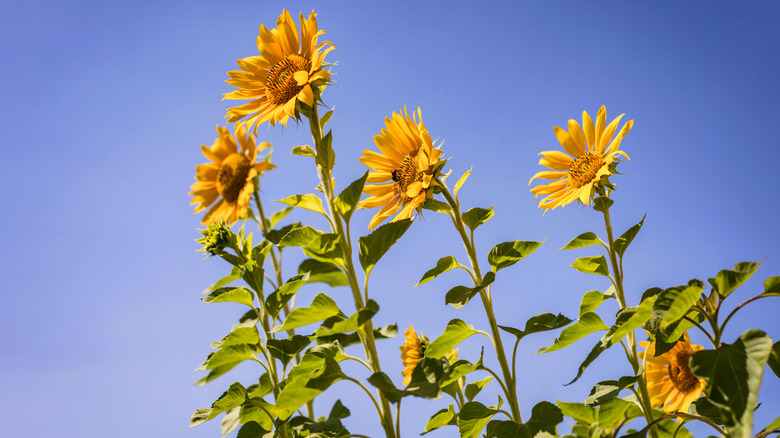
(288, 67)
(670, 382)
(411, 352)
(404, 166)
(593, 156)
(229, 175)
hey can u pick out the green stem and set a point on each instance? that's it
(510, 390)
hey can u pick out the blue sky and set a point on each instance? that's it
(105, 106)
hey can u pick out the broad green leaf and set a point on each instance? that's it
(477, 216)
(308, 202)
(609, 389)
(681, 305)
(320, 272)
(592, 265)
(622, 242)
(230, 295)
(670, 428)
(539, 323)
(232, 354)
(347, 339)
(460, 368)
(251, 411)
(425, 381)
(611, 412)
(728, 280)
(587, 324)
(322, 307)
(458, 296)
(300, 236)
(376, 244)
(254, 276)
(338, 324)
(234, 275)
(593, 299)
(666, 339)
(602, 203)
(455, 333)
(583, 240)
(348, 199)
(472, 418)
(545, 417)
(578, 411)
(240, 335)
(252, 430)
(263, 387)
(230, 421)
(233, 397)
(444, 417)
(704, 408)
(286, 349)
(326, 248)
(460, 183)
(382, 382)
(473, 388)
(734, 374)
(278, 298)
(436, 205)
(772, 286)
(774, 359)
(306, 380)
(508, 253)
(508, 429)
(278, 216)
(326, 157)
(304, 151)
(275, 236)
(248, 319)
(443, 265)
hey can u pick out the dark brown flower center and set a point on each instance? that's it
(680, 373)
(584, 169)
(280, 83)
(406, 174)
(231, 177)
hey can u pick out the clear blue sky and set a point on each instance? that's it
(105, 105)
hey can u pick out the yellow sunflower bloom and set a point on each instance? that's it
(670, 382)
(228, 178)
(591, 153)
(403, 168)
(288, 67)
(411, 352)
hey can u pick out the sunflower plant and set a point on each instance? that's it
(303, 350)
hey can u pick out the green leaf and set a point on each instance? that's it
(609, 389)
(455, 333)
(320, 272)
(583, 240)
(326, 118)
(611, 412)
(474, 388)
(425, 381)
(444, 417)
(472, 418)
(230, 421)
(704, 408)
(326, 248)
(376, 244)
(216, 372)
(286, 349)
(278, 216)
(774, 359)
(338, 324)
(539, 323)
(233, 397)
(772, 286)
(234, 275)
(458, 296)
(508, 429)
(314, 374)
(460, 368)
(460, 183)
(230, 295)
(622, 242)
(728, 280)
(477, 216)
(300, 236)
(278, 298)
(593, 299)
(275, 236)
(545, 417)
(734, 374)
(382, 382)
(240, 335)
(508, 253)
(347, 339)
(772, 426)
(681, 305)
(348, 199)
(253, 276)
(231, 355)
(252, 412)
(308, 202)
(322, 307)
(436, 205)
(578, 411)
(592, 265)
(251, 430)
(602, 203)
(587, 324)
(443, 265)
(304, 151)
(326, 158)
(666, 339)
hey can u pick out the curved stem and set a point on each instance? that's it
(725, 321)
(767, 432)
(498, 379)
(370, 395)
(699, 326)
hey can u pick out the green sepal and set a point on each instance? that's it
(583, 240)
(477, 216)
(587, 323)
(374, 245)
(508, 253)
(458, 296)
(348, 199)
(443, 265)
(233, 397)
(239, 295)
(539, 323)
(456, 332)
(622, 242)
(286, 349)
(322, 307)
(728, 280)
(592, 265)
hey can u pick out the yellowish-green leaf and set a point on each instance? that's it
(611, 412)
(622, 242)
(472, 418)
(308, 201)
(477, 216)
(304, 151)
(230, 295)
(460, 183)
(322, 307)
(728, 280)
(593, 299)
(233, 397)
(240, 335)
(591, 265)
(376, 244)
(444, 417)
(232, 354)
(508, 253)
(583, 240)
(587, 324)
(474, 388)
(455, 333)
(443, 265)
(348, 199)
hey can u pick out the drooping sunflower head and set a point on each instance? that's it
(403, 169)
(592, 157)
(411, 352)
(288, 70)
(226, 181)
(670, 382)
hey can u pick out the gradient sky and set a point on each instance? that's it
(105, 106)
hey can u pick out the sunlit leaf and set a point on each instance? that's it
(326, 158)
(508, 253)
(592, 265)
(314, 374)
(233, 397)
(583, 240)
(774, 359)
(578, 411)
(443, 265)
(472, 418)
(593, 299)
(307, 201)
(472, 389)
(436, 205)
(622, 242)
(286, 349)
(681, 305)
(458, 296)
(772, 286)
(348, 199)
(455, 333)
(477, 216)
(240, 335)
(728, 280)
(587, 324)
(254, 410)
(539, 323)
(232, 354)
(322, 307)
(376, 244)
(444, 417)
(338, 324)
(278, 298)
(611, 412)
(235, 274)
(320, 272)
(460, 183)
(230, 295)
(304, 151)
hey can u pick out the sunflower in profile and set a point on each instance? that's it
(228, 178)
(404, 168)
(287, 71)
(670, 382)
(592, 154)
(411, 352)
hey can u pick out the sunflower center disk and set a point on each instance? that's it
(584, 169)
(280, 83)
(231, 177)
(680, 373)
(406, 174)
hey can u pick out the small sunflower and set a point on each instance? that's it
(670, 382)
(288, 67)
(229, 176)
(412, 351)
(404, 166)
(592, 155)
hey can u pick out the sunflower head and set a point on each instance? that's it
(590, 158)
(411, 352)
(670, 382)
(403, 171)
(288, 72)
(226, 182)
(216, 237)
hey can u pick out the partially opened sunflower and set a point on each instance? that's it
(288, 66)
(411, 352)
(228, 178)
(670, 382)
(591, 155)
